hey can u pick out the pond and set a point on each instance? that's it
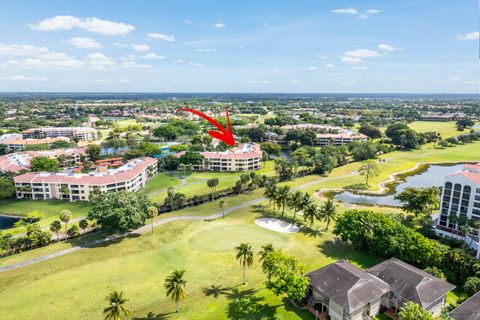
(7, 222)
(433, 176)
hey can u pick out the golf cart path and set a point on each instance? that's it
(147, 227)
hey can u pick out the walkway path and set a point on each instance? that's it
(147, 227)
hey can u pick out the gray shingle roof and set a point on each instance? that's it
(347, 285)
(469, 310)
(411, 283)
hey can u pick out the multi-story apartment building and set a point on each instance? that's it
(245, 157)
(326, 135)
(460, 200)
(77, 133)
(18, 161)
(131, 177)
(19, 144)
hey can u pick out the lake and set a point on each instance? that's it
(433, 176)
(7, 222)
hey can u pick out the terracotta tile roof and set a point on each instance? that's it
(122, 174)
(243, 151)
(34, 141)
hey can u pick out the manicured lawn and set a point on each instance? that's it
(74, 286)
(196, 182)
(446, 129)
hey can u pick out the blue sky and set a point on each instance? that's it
(240, 46)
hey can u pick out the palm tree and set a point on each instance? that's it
(282, 197)
(305, 202)
(310, 213)
(270, 193)
(294, 202)
(171, 195)
(212, 184)
(175, 285)
(55, 227)
(116, 306)
(223, 205)
(266, 249)
(244, 254)
(152, 213)
(65, 217)
(328, 211)
(367, 230)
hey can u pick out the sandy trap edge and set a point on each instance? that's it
(277, 225)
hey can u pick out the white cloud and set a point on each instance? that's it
(348, 10)
(386, 48)
(99, 61)
(120, 45)
(196, 64)
(20, 50)
(265, 24)
(187, 21)
(161, 36)
(219, 25)
(128, 57)
(152, 55)
(140, 47)
(84, 43)
(177, 61)
(46, 60)
(105, 27)
(469, 36)
(207, 50)
(358, 55)
(369, 13)
(24, 78)
(135, 65)
(329, 66)
(351, 60)
(312, 69)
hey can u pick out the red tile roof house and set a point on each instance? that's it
(245, 157)
(79, 186)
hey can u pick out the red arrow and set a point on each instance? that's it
(223, 134)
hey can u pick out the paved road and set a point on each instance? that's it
(147, 227)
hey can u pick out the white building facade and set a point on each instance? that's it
(460, 200)
(131, 177)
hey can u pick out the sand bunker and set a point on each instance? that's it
(277, 225)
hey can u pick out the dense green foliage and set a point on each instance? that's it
(119, 212)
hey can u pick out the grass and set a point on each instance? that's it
(196, 182)
(74, 286)
(50, 209)
(446, 129)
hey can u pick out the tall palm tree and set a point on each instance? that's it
(175, 285)
(328, 212)
(222, 205)
(294, 202)
(270, 193)
(266, 249)
(65, 216)
(244, 254)
(152, 213)
(116, 306)
(282, 197)
(305, 202)
(310, 213)
(367, 230)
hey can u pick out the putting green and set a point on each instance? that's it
(224, 238)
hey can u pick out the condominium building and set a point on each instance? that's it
(326, 135)
(77, 133)
(18, 161)
(131, 177)
(460, 198)
(20, 144)
(245, 157)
